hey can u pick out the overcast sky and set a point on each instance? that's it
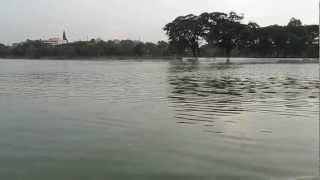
(132, 19)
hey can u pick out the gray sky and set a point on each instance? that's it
(132, 19)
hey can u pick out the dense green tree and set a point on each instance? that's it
(294, 22)
(163, 48)
(185, 32)
(224, 30)
(4, 51)
(139, 49)
(249, 39)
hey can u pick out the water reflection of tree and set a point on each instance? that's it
(199, 97)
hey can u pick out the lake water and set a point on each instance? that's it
(119, 120)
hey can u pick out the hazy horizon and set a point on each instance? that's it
(139, 20)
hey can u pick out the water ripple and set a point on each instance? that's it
(197, 95)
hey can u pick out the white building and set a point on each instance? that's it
(54, 41)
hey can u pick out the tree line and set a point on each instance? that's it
(224, 34)
(207, 35)
(92, 48)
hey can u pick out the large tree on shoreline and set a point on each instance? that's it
(223, 30)
(217, 29)
(185, 32)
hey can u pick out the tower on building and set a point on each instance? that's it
(64, 37)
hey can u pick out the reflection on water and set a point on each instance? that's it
(157, 120)
(204, 97)
(266, 109)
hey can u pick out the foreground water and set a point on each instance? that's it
(63, 120)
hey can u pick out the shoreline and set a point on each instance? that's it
(102, 58)
(234, 60)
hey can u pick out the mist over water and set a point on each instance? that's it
(157, 120)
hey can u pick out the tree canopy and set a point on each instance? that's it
(92, 48)
(225, 31)
(185, 31)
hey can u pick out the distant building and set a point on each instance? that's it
(55, 41)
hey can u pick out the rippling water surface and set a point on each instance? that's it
(63, 120)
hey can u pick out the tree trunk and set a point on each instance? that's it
(228, 53)
(195, 49)
(198, 51)
(194, 52)
(228, 60)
